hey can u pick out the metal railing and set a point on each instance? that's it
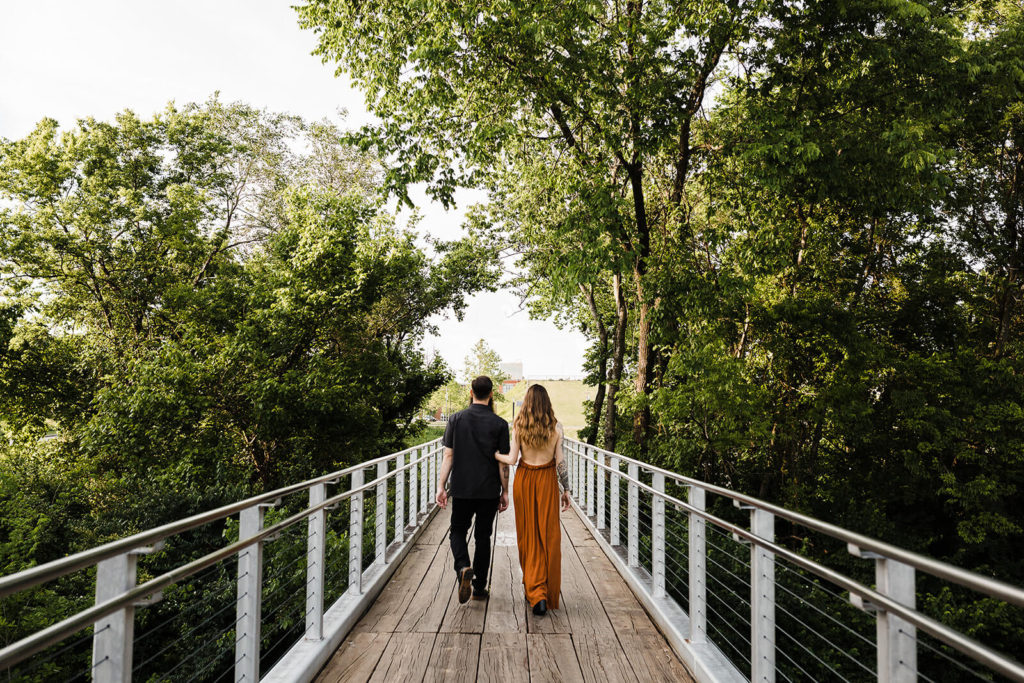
(713, 587)
(398, 489)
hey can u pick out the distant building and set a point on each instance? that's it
(513, 371)
(514, 375)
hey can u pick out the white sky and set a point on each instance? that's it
(70, 59)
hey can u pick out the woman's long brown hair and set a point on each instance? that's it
(535, 423)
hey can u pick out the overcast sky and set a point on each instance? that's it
(70, 59)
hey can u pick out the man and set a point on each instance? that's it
(479, 486)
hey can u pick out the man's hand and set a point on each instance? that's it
(503, 502)
(442, 498)
(566, 500)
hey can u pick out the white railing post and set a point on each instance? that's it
(112, 642)
(382, 514)
(400, 499)
(588, 454)
(613, 501)
(578, 475)
(315, 558)
(697, 560)
(414, 487)
(601, 475)
(658, 535)
(426, 490)
(355, 535)
(897, 638)
(250, 597)
(762, 599)
(633, 517)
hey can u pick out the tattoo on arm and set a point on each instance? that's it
(504, 476)
(563, 475)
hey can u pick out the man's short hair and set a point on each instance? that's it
(482, 387)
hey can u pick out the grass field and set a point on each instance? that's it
(567, 398)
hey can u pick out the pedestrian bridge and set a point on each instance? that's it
(348, 577)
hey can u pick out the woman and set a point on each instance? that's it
(537, 446)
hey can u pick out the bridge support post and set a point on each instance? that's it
(355, 535)
(381, 510)
(897, 638)
(424, 485)
(250, 598)
(589, 464)
(633, 517)
(762, 599)
(400, 499)
(697, 560)
(315, 557)
(414, 495)
(114, 634)
(658, 535)
(613, 502)
(601, 476)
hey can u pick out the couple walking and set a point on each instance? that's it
(477, 455)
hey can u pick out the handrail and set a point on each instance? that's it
(54, 569)
(26, 647)
(994, 660)
(955, 639)
(978, 582)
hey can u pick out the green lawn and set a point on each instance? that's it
(567, 398)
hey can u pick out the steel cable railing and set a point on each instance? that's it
(294, 587)
(710, 579)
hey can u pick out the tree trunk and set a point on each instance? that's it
(642, 417)
(618, 352)
(602, 364)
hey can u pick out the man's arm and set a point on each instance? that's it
(446, 469)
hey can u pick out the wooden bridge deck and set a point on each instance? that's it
(417, 631)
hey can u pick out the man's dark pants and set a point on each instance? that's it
(463, 511)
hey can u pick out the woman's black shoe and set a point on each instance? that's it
(541, 608)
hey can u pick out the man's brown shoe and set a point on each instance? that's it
(465, 584)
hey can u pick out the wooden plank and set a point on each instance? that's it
(454, 658)
(576, 529)
(430, 601)
(580, 601)
(553, 659)
(506, 609)
(403, 658)
(436, 532)
(503, 658)
(356, 659)
(623, 609)
(389, 607)
(652, 659)
(601, 658)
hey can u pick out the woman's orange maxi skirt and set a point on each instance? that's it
(535, 493)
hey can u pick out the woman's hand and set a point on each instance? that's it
(566, 500)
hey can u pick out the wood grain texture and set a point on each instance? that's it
(506, 609)
(391, 605)
(417, 631)
(436, 532)
(602, 658)
(652, 659)
(429, 603)
(356, 659)
(403, 659)
(503, 658)
(553, 658)
(580, 601)
(454, 658)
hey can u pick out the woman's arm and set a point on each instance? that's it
(562, 468)
(513, 453)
